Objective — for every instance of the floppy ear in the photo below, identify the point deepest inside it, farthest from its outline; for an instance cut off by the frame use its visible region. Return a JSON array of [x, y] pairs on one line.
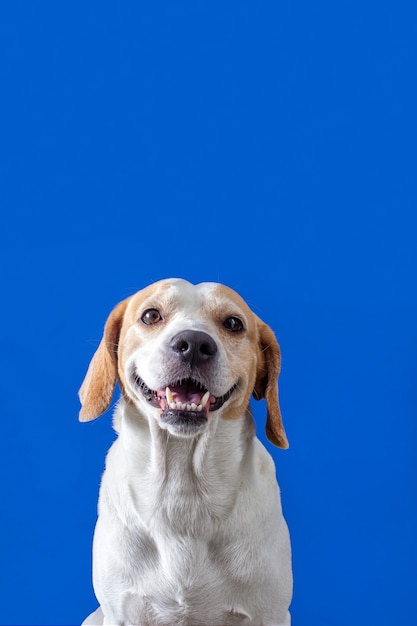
[[266, 385], [97, 389]]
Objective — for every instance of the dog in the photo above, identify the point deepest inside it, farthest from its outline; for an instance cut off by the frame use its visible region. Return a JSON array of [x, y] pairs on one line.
[[190, 529]]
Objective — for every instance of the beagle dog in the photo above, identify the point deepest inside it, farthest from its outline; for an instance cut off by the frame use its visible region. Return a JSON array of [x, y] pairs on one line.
[[190, 529]]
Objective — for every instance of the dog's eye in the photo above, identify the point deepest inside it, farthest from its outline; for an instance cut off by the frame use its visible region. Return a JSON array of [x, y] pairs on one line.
[[234, 324], [151, 316]]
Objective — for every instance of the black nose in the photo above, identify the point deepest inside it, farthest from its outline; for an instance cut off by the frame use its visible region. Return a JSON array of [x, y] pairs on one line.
[[193, 346]]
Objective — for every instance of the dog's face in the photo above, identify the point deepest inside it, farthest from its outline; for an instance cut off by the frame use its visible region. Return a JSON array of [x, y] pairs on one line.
[[183, 354]]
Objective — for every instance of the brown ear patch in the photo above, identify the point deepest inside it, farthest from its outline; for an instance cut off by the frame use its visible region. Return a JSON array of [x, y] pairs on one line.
[[98, 386], [266, 385]]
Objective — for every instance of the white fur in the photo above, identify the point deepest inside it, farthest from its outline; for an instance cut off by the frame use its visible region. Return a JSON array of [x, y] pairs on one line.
[[190, 529]]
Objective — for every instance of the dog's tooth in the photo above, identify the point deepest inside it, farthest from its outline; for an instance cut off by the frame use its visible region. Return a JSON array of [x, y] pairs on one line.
[[183, 406], [205, 399], [170, 398], [188, 407], [200, 407], [193, 406], [172, 405]]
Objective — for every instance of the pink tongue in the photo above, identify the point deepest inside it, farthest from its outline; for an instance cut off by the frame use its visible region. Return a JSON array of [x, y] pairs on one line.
[[187, 394], [184, 394], [181, 395]]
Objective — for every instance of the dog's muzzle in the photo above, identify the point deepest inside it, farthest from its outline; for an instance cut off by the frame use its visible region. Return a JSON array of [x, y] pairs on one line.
[[186, 402]]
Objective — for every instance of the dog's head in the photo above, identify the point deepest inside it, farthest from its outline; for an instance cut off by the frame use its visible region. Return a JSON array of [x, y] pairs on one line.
[[183, 353]]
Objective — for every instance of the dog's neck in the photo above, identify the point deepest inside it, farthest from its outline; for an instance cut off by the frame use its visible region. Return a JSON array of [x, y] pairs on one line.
[[204, 469]]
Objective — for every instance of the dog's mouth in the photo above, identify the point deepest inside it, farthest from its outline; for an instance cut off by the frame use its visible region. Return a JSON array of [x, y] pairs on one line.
[[185, 395]]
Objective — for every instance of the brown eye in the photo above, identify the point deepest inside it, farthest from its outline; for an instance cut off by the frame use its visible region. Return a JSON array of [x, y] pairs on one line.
[[151, 316], [234, 324]]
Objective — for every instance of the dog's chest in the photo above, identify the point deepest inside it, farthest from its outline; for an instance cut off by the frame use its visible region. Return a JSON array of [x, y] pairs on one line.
[[170, 544], [185, 580], [174, 548], [171, 571]]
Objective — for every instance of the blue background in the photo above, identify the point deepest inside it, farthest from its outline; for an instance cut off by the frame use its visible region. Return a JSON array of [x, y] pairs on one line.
[[267, 145]]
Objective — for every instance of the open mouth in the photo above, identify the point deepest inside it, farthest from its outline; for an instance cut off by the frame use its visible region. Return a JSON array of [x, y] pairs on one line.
[[185, 395]]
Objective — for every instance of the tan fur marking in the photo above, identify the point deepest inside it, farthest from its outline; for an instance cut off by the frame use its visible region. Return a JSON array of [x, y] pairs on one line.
[[97, 388], [269, 366]]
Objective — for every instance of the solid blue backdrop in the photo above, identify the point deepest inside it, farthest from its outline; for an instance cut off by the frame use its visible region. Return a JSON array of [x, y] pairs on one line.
[[270, 146]]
